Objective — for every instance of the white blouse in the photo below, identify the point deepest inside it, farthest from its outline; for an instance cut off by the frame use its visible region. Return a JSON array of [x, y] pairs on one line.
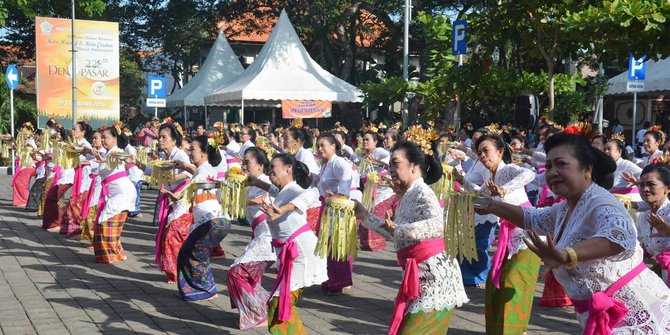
[[180, 207], [134, 172], [308, 269], [653, 245], [419, 217], [599, 214], [307, 157], [259, 248], [335, 177], [122, 192], [624, 165], [207, 210], [245, 146], [513, 179]]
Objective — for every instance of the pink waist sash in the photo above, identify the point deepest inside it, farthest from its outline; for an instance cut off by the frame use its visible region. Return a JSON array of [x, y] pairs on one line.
[[87, 202], [163, 210], [604, 311], [104, 191], [289, 252], [255, 223], [627, 190], [76, 184], [664, 261], [57, 172], [409, 258], [506, 229]]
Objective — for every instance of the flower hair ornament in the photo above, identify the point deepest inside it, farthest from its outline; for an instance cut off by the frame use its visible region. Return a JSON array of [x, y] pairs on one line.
[[28, 127], [618, 137], [297, 123], [371, 128], [494, 129], [397, 126], [211, 141], [582, 128], [423, 138], [119, 128], [179, 129], [468, 126], [340, 127], [168, 120], [658, 128]]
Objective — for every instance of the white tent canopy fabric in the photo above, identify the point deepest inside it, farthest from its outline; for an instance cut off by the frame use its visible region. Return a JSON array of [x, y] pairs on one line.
[[284, 70], [219, 69], [657, 78]]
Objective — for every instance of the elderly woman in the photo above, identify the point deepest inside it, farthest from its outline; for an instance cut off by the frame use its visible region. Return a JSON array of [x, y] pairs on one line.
[[594, 252], [417, 231], [514, 269], [655, 188]]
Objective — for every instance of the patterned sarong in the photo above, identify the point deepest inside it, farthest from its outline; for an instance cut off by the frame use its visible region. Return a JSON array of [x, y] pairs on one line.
[[247, 294], [508, 308], [107, 239], [43, 196], [433, 323], [71, 224], [172, 238], [196, 281], [88, 224], [20, 185], [53, 211], [289, 327], [35, 195]]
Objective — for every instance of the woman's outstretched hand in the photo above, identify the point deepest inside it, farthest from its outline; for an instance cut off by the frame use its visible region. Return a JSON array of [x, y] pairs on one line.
[[551, 256]]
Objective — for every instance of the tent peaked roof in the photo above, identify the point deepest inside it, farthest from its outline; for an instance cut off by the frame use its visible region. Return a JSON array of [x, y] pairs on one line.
[[284, 70], [220, 68], [657, 78]]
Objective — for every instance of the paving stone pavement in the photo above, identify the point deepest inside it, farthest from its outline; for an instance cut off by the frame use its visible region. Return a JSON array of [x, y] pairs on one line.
[[51, 285]]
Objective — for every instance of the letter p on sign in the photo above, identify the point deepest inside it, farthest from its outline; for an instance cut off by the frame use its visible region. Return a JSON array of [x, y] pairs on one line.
[[459, 37], [156, 87]]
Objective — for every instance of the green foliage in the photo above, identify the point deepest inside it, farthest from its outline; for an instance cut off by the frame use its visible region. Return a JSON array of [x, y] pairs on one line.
[[380, 95]]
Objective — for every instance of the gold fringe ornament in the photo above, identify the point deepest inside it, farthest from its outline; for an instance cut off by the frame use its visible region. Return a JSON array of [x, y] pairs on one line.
[[162, 173], [234, 194], [627, 202], [338, 234], [370, 189], [446, 184], [459, 226]]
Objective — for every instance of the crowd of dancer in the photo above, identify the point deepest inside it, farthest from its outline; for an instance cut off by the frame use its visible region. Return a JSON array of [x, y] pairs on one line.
[[578, 202]]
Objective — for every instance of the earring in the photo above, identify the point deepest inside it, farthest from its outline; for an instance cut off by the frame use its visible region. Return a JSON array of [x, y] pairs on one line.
[[587, 175]]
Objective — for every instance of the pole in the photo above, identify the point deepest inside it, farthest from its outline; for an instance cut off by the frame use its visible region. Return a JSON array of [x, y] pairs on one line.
[[634, 115], [156, 112], [242, 113], [206, 123], [457, 121], [74, 73], [601, 72], [11, 117], [405, 61]]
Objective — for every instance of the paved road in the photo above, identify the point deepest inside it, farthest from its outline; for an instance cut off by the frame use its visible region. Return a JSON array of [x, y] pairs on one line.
[[52, 285]]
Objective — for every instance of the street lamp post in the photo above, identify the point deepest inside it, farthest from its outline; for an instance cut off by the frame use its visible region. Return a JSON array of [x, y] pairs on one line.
[[73, 74], [405, 61]]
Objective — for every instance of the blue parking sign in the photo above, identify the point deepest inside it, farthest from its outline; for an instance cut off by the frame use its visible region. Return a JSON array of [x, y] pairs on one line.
[[459, 37], [636, 68], [156, 88]]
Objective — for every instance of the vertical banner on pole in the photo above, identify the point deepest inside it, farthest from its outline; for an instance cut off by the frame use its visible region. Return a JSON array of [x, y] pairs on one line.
[[12, 80], [97, 68]]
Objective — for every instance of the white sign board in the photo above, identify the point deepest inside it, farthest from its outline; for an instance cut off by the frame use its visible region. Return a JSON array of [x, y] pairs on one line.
[[154, 102], [635, 86]]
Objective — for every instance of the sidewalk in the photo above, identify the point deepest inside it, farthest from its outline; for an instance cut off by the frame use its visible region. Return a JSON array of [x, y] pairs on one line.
[[51, 285]]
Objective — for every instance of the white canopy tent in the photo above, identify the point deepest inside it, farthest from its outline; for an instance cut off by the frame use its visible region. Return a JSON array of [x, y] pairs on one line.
[[219, 69], [283, 70], [657, 78]]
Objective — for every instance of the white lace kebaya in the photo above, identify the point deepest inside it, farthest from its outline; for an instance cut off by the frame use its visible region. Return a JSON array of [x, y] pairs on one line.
[[419, 217], [599, 214]]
